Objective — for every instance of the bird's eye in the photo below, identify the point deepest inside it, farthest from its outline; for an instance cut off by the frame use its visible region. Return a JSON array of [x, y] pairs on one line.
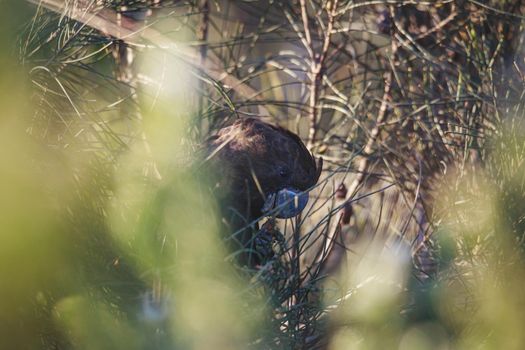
[[283, 172]]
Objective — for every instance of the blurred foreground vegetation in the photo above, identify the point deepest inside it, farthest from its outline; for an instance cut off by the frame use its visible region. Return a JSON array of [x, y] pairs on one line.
[[109, 239]]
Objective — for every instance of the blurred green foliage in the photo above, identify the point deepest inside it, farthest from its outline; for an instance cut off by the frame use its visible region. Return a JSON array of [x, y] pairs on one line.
[[100, 252]]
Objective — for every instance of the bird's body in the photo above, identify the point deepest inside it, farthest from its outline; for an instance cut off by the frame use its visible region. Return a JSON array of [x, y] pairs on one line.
[[260, 169]]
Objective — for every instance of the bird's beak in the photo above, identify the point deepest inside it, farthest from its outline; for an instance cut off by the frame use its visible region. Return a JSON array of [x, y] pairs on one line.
[[285, 203]]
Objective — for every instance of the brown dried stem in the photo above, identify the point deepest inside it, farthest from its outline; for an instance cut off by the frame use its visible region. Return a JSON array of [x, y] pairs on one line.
[[317, 66], [334, 245]]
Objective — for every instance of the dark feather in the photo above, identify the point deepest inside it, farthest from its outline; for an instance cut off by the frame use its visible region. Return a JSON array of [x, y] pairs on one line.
[[253, 159]]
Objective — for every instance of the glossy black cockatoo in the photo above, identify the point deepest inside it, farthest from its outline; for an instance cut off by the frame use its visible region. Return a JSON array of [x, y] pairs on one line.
[[260, 170]]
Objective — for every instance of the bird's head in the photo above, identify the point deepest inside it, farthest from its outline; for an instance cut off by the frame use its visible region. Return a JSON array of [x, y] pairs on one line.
[[266, 169]]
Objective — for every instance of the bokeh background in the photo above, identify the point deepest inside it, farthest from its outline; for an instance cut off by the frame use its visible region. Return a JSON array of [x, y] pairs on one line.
[[414, 237]]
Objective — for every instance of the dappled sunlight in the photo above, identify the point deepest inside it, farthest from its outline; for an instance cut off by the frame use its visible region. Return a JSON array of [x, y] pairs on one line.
[[262, 175]]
